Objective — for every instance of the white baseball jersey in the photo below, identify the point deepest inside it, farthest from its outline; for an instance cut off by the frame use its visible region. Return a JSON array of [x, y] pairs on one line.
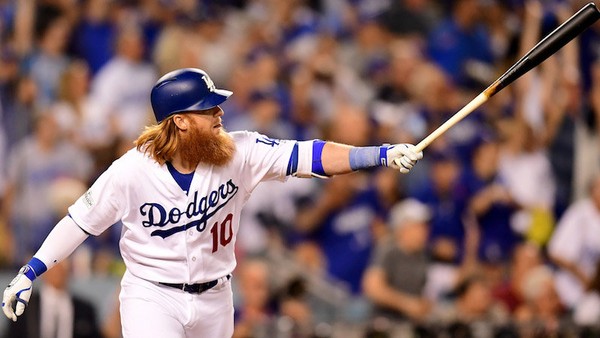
[[171, 236]]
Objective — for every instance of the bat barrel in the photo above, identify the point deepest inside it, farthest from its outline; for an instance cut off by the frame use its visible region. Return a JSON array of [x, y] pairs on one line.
[[554, 41]]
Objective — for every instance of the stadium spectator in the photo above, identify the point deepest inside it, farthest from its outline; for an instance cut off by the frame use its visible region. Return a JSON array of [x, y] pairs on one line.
[[396, 276], [340, 222], [94, 35], [78, 116], [254, 314], [122, 85], [395, 107], [33, 166], [213, 45], [418, 22], [55, 312], [461, 45], [9, 75], [263, 115], [587, 311], [293, 304], [525, 169], [437, 99], [526, 257], [18, 109], [541, 314], [49, 59], [575, 246], [490, 202], [447, 200], [472, 312]]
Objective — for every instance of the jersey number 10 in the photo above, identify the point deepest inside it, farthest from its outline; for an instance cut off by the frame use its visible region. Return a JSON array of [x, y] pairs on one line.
[[222, 234]]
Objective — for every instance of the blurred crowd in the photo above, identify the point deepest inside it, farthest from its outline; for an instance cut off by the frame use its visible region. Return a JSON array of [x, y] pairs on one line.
[[495, 233]]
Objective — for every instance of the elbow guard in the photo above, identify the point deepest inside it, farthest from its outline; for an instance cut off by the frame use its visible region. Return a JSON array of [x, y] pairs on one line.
[[309, 159]]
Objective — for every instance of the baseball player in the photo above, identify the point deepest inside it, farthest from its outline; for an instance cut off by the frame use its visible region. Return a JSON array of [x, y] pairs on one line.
[[179, 194]]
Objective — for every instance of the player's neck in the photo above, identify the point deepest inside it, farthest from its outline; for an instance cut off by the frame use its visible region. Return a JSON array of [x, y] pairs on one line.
[[181, 166]]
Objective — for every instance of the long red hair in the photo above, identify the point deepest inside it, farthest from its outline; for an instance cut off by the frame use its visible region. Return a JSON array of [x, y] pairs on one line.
[[161, 141]]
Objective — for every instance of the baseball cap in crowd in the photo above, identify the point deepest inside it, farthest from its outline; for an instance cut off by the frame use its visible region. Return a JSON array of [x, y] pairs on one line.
[[408, 210]]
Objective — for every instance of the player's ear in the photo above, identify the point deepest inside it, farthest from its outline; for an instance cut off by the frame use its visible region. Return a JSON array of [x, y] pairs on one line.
[[180, 121]]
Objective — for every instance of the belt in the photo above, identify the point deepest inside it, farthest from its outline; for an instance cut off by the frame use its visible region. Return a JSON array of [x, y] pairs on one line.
[[194, 288]]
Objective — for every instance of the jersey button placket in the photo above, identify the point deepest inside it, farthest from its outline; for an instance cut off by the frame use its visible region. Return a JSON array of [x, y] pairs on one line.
[[189, 238], [192, 258]]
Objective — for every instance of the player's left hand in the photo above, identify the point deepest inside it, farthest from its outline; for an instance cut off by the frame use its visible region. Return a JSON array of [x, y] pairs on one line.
[[18, 291], [403, 157]]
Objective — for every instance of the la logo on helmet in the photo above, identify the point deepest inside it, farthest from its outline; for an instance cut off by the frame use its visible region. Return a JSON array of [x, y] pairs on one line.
[[209, 83]]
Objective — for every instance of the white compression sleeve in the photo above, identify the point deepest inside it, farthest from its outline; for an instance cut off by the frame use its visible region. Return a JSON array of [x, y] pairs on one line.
[[305, 159], [61, 242]]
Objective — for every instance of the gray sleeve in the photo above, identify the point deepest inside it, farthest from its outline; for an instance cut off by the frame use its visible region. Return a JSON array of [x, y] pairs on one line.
[[14, 167], [380, 255], [81, 163]]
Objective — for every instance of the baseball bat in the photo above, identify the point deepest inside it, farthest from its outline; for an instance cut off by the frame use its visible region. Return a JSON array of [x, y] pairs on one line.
[[549, 45]]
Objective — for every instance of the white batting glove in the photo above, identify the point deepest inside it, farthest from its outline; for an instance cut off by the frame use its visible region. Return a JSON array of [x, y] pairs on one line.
[[403, 157], [18, 291]]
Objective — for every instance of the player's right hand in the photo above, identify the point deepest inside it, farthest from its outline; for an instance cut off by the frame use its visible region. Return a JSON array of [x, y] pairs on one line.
[[16, 295]]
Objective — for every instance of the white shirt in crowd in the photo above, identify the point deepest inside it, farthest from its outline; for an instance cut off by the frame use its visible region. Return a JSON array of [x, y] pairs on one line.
[[576, 240]]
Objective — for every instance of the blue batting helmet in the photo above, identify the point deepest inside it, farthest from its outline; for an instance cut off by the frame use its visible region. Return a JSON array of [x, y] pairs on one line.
[[185, 90]]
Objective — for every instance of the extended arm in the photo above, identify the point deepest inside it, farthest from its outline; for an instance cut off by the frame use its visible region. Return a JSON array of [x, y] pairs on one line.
[[322, 159]]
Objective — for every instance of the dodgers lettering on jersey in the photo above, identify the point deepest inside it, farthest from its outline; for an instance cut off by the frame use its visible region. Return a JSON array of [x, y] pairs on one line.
[[206, 207], [171, 236]]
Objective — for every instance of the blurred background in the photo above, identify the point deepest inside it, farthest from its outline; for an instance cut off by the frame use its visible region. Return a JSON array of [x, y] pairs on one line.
[[495, 233]]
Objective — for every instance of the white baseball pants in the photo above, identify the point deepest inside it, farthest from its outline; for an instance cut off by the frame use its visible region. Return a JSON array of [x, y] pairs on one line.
[[151, 310]]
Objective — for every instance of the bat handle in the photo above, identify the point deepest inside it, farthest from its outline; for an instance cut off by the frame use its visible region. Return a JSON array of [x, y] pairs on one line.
[[466, 110]]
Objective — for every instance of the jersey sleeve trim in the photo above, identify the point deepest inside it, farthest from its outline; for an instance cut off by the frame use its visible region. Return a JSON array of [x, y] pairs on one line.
[[82, 229], [86, 229], [293, 163]]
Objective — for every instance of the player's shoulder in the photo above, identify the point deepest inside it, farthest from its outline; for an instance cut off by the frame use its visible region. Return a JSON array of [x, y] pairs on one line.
[[131, 155], [133, 160], [252, 137], [244, 139], [243, 135]]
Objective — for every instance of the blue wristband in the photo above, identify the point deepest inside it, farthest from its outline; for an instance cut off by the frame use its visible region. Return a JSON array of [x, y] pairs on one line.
[[36, 268], [368, 157], [383, 160]]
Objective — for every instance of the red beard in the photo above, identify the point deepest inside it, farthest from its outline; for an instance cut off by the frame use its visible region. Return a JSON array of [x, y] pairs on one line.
[[206, 147]]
